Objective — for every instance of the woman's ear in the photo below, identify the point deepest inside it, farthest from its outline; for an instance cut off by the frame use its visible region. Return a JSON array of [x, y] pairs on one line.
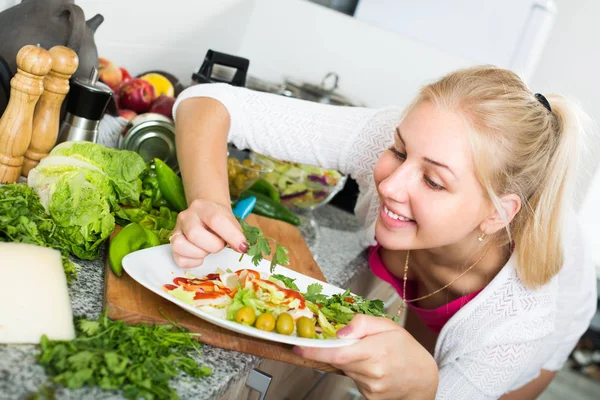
[[510, 205]]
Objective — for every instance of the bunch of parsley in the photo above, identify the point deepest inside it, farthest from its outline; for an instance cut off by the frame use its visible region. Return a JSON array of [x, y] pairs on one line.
[[23, 219], [259, 246], [140, 360]]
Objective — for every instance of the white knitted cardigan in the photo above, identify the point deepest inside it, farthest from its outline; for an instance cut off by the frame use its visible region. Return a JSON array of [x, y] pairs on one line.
[[502, 338]]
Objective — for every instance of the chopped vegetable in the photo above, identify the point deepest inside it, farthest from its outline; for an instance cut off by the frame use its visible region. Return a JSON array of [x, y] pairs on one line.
[[288, 282], [271, 305], [140, 360], [23, 219]]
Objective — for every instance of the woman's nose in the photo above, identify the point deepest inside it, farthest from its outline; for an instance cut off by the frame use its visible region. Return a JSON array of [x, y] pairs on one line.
[[396, 186]]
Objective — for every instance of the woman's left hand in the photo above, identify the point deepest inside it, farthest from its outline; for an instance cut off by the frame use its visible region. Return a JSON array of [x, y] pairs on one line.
[[386, 363]]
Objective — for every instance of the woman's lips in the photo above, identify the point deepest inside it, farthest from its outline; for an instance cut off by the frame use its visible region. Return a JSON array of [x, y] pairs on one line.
[[393, 222]]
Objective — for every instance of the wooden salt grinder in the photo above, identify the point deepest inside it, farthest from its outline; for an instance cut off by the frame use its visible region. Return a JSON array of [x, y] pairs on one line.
[[46, 117], [27, 85]]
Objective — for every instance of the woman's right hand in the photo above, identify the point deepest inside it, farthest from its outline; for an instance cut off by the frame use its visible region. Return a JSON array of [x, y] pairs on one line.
[[205, 228]]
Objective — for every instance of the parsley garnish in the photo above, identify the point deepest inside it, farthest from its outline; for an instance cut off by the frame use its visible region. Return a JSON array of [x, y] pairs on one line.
[[259, 246], [140, 360], [341, 308]]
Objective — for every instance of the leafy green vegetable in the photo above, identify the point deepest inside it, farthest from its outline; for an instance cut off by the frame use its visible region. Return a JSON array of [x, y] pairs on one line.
[[313, 293], [23, 219], [245, 297], [79, 200], [288, 282], [121, 166], [81, 184], [341, 308], [140, 360], [259, 246]]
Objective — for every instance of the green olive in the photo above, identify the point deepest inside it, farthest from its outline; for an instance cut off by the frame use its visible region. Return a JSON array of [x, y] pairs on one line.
[[285, 324], [252, 174], [265, 322], [245, 315], [247, 163], [305, 327], [239, 181]]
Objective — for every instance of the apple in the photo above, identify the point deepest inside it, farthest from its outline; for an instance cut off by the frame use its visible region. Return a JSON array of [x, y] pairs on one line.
[[109, 73], [126, 75], [127, 114], [136, 95], [163, 105]]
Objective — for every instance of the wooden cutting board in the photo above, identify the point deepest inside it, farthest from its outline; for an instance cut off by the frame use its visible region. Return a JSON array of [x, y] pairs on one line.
[[127, 300]]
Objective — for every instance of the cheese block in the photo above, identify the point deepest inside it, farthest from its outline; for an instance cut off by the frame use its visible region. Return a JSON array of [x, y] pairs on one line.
[[34, 299]]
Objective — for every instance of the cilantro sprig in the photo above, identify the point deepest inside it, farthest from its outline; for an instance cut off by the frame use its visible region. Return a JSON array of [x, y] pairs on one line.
[[140, 359], [259, 246]]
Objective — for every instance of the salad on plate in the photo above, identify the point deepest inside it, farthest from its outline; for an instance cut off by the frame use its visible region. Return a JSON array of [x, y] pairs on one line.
[[272, 303]]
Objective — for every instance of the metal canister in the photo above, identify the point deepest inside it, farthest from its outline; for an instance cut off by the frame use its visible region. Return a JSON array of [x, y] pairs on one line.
[[152, 136]]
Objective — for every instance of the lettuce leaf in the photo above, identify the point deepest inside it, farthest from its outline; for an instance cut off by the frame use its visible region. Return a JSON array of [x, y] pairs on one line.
[[123, 167]]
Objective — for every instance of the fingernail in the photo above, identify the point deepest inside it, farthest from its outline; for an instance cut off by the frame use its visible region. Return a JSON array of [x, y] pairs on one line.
[[297, 350], [345, 331], [244, 247]]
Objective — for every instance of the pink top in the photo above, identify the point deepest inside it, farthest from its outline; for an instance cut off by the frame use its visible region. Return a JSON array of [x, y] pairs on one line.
[[435, 318]]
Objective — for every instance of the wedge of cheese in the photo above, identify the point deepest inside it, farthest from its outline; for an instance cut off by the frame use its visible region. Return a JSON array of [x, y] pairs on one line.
[[34, 299]]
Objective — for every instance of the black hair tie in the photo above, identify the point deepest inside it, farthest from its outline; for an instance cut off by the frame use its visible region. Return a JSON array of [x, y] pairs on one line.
[[540, 97]]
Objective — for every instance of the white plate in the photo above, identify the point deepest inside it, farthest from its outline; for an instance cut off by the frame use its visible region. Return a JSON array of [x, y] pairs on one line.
[[154, 267]]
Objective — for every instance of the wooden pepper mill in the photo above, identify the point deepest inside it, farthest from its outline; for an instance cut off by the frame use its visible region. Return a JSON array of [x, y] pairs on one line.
[[46, 117], [27, 85]]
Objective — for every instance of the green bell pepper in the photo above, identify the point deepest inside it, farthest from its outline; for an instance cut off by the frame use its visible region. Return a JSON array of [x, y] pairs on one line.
[[170, 185], [131, 238]]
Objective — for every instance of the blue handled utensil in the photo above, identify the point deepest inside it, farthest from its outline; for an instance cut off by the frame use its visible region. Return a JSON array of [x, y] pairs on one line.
[[244, 207]]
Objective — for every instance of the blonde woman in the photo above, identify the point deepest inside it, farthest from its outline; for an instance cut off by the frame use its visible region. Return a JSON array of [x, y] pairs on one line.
[[464, 199]]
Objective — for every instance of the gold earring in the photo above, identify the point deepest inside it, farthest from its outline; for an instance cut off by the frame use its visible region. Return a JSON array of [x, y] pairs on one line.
[[481, 237]]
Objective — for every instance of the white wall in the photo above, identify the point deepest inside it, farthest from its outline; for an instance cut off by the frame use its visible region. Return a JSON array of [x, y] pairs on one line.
[[570, 65], [173, 36], [305, 40], [280, 37]]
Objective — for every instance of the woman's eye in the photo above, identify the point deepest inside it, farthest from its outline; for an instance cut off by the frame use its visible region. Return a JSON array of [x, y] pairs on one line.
[[432, 184], [399, 155]]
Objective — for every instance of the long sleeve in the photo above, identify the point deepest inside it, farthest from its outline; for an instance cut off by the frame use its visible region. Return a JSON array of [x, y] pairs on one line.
[[348, 139]]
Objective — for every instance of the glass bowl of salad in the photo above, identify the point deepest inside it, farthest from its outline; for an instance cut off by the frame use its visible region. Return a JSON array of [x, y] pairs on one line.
[[302, 186], [243, 171]]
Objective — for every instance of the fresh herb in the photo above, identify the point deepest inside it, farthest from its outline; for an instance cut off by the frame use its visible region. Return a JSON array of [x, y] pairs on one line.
[[259, 246], [140, 360], [313, 293], [341, 308], [24, 219], [288, 282]]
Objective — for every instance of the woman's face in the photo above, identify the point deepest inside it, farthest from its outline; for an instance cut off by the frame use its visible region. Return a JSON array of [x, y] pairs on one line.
[[426, 181]]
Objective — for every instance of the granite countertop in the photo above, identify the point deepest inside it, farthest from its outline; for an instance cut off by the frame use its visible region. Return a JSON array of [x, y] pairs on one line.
[[334, 245]]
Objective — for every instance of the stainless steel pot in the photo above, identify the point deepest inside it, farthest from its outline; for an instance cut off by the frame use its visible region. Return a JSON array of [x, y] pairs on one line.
[[325, 92]]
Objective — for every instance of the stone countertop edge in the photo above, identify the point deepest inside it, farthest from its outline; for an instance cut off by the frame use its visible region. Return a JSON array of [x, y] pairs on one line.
[[337, 252]]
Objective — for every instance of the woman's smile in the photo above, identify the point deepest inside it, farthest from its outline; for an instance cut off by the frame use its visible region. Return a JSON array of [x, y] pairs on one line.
[[395, 221]]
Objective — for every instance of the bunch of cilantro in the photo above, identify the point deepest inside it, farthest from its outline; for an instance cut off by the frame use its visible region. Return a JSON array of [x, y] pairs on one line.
[[23, 219], [140, 359]]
